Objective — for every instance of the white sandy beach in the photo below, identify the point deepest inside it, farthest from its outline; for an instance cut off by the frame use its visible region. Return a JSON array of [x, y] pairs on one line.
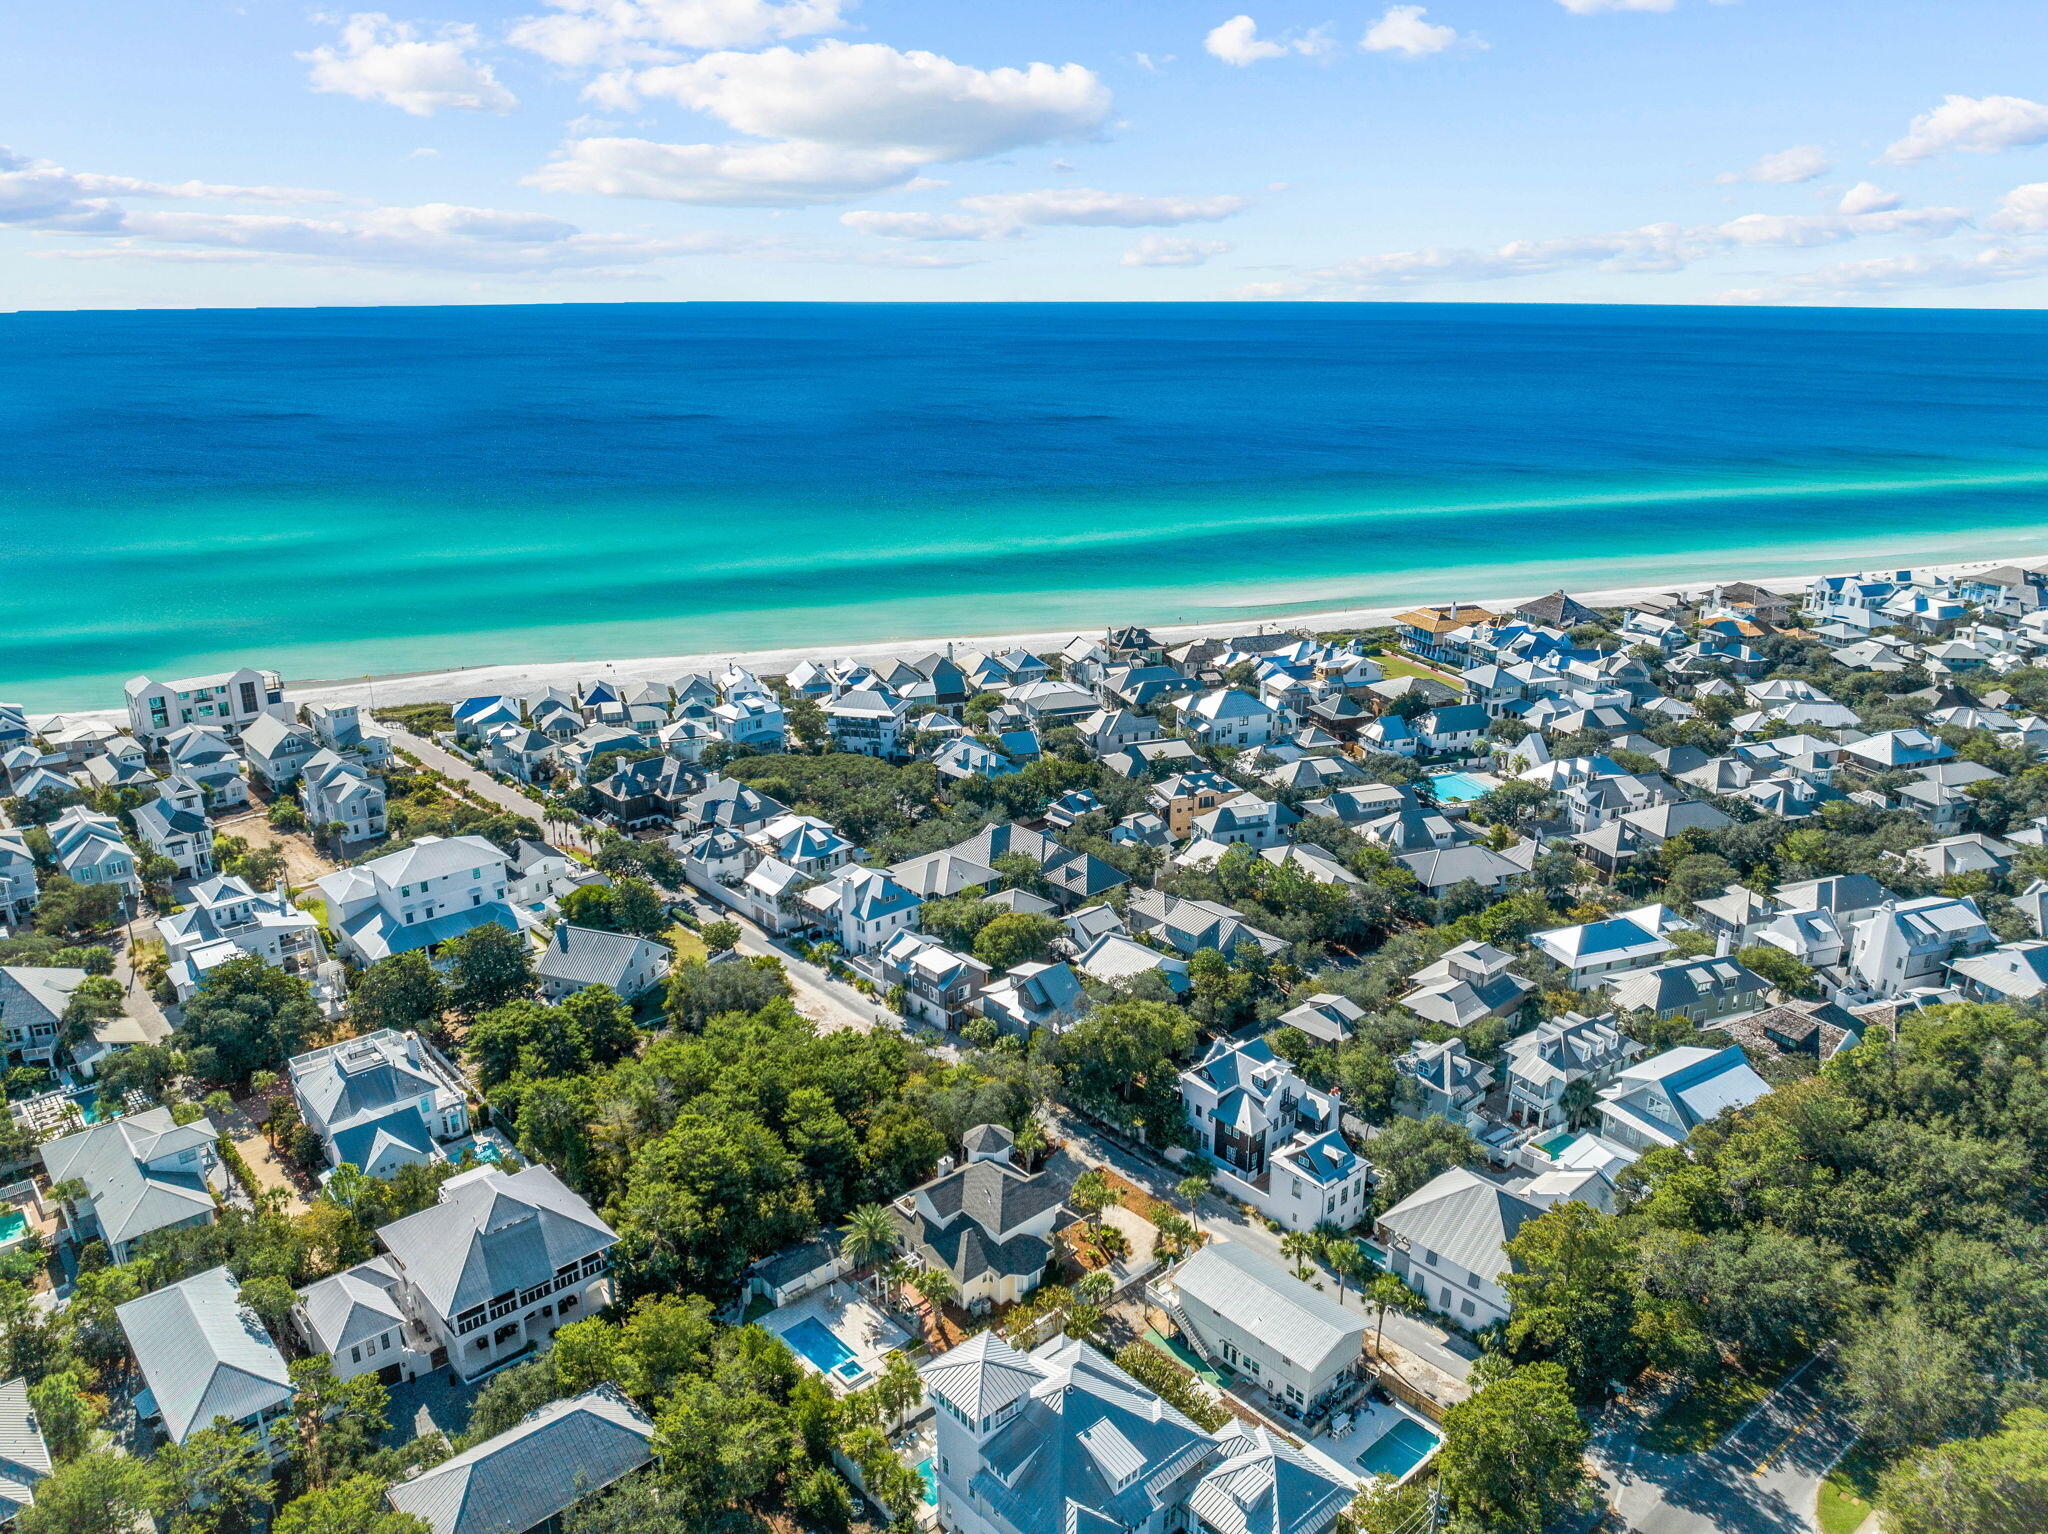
[[523, 680]]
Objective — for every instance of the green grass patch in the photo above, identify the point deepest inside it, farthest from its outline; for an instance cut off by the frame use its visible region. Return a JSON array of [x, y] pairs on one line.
[[688, 946], [1849, 1491], [1709, 1411], [1405, 665]]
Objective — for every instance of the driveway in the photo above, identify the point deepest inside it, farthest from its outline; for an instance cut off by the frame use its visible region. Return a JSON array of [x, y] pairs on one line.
[[422, 1405], [1763, 1478]]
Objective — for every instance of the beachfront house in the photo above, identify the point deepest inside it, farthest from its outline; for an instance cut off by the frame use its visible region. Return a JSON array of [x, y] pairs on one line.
[[229, 700]]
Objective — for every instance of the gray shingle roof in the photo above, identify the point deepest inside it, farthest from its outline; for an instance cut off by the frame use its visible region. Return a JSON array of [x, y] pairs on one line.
[[204, 1354], [552, 1460], [492, 1233]]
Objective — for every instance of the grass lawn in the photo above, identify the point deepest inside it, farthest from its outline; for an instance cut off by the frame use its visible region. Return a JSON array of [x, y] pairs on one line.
[[687, 944], [1709, 1411], [1404, 665], [1845, 1496]]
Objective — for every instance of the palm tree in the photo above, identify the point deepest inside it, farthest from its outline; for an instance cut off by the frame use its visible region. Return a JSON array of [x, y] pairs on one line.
[[935, 1286], [1346, 1261], [1030, 1140], [893, 1275], [1194, 1188], [1090, 1195], [1299, 1247], [1177, 1233], [1576, 1102], [1384, 1293], [868, 1235]]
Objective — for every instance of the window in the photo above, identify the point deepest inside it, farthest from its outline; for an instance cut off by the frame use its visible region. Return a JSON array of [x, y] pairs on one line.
[[355, 1355]]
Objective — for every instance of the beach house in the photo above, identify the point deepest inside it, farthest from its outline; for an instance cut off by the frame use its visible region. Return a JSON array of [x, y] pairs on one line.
[[436, 889], [227, 700], [380, 1101]]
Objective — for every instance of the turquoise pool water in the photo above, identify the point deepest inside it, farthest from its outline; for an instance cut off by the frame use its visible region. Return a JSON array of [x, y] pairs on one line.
[[1457, 787], [1399, 1450], [12, 1224], [822, 1346], [931, 1481], [1554, 1146]]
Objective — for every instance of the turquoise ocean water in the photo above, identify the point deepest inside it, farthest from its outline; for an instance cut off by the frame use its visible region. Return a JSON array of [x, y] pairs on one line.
[[339, 492]]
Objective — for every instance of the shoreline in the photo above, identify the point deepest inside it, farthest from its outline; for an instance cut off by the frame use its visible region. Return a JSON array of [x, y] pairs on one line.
[[454, 684]]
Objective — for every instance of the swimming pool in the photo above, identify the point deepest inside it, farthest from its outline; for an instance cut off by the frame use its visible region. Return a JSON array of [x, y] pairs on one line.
[[1399, 1449], [1554, 1146], [1459, 787], [931, 1481], [12, 1224], [823, 1347]]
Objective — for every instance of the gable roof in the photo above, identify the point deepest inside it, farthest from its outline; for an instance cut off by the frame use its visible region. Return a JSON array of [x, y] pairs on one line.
[[204, 1353], [1463, 1218], [24, 1457], [1304, 1325], [129, 1198], [552, 1460]]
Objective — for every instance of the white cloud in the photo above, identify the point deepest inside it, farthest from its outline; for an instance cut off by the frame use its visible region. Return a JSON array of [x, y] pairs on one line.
[[2023, 210], [1787, 167], [1237, 42], [1114, 210], [926, 226], [1972, 124], [1662, 247], [1164, 250], [585, 34], [784, 174], [1007, 215], [1886, 274], [390, 61], [1402, 30], [1865, 197], [424, 154], [841, 120], [1593, 7], [871, 97], [39, 197]]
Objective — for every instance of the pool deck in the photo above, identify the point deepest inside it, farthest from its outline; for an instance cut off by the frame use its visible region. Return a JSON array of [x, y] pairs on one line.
[[1371, 1422], [868, 1333]]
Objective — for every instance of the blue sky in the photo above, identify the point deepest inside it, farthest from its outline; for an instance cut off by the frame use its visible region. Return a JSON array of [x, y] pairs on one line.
[[1887, 152]]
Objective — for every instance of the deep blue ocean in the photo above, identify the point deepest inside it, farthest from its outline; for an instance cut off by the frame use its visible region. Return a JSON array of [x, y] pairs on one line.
[[343, 491]]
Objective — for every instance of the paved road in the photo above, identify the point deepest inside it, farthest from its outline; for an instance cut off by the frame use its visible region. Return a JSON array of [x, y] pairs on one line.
[[1441, 1350], [1763, 1478]]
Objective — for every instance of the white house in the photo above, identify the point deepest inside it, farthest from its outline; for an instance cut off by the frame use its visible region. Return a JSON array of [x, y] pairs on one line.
[[866, 720], [141, 1173], [91, 850], [861, 908], [224, 919], [1445, 1242], [173, 825], [276, 750], [204, 1355], [229, 700], [1661, 1100], [1593, 953], [436, 889], [987, 1223], [339, 790], [340, 728], [380, 1101], [579, 957], [1228, 717], [1549, 1058], [498, 1264], [1276, 1138], [18, 893], [1060, 1440], [33, 999], [1295, 1343], [352, 1317]]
